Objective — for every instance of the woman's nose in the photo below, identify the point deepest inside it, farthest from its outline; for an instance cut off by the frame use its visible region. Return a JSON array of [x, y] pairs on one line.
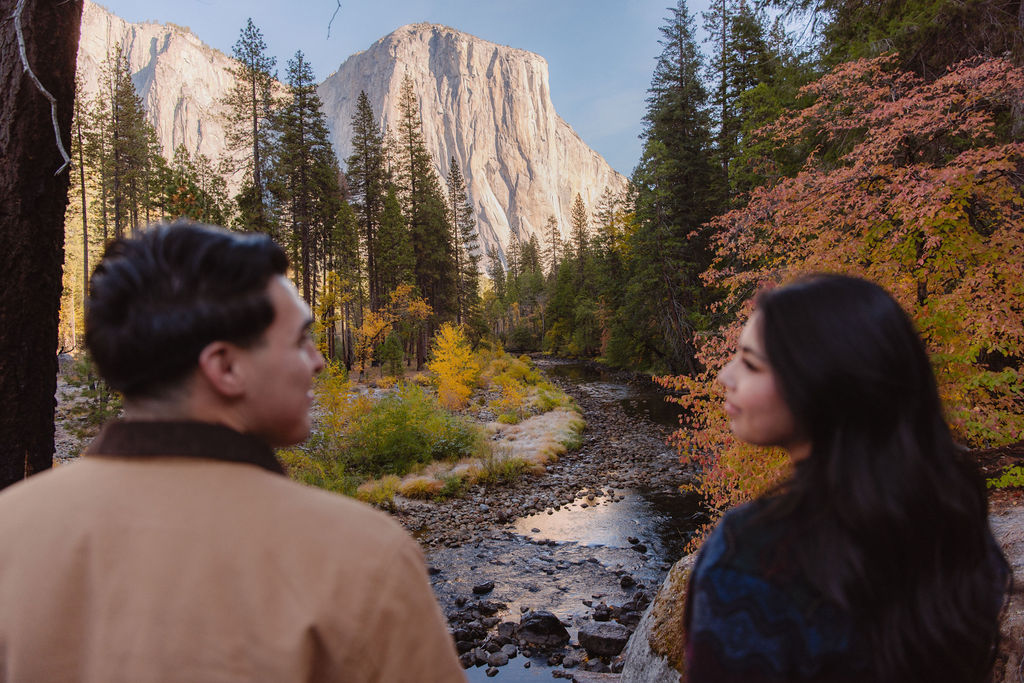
[[725, 374]]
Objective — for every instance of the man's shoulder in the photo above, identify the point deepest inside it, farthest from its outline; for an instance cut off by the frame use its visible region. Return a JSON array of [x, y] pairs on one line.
[[313, 502]]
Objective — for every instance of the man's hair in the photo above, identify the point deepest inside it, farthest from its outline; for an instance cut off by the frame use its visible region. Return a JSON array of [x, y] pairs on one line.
[[156, 300]]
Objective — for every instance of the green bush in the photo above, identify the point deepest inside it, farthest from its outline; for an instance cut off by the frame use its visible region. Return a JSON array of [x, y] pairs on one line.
[[316, 466], [408, 428], [1011, 476], [454, 486], [502, 470]]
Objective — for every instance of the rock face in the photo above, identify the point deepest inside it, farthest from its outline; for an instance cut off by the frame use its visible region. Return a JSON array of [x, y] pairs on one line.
[[180, 79], [486, 105], [489, 107]]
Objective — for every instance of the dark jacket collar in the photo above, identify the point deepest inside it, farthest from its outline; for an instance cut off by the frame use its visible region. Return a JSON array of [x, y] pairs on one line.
[[187, 439]]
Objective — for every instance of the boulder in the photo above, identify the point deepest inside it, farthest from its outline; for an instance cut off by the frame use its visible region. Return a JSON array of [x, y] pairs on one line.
[[543, 629], [604, 639]]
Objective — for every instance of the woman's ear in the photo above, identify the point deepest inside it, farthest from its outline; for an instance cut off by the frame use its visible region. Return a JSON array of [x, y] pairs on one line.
[[220, 367]]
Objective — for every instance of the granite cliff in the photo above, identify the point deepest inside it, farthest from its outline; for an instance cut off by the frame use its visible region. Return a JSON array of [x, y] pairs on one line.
[[488, 106], [484, 104]]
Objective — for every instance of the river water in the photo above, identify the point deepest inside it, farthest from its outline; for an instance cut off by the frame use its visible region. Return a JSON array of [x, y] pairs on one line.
[[601, 548]]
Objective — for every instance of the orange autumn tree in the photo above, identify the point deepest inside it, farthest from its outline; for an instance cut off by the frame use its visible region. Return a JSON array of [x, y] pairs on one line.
[[404, 309], [916, 185]]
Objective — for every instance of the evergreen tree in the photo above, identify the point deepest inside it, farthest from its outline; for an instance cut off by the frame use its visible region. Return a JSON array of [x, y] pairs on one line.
[[552, 245], [496, 273], [193, 189], [677, 192], [122, 148], [466, 247], [578, 233], [305, 176], [367, 178], [395, 258], [250, 110], [741, 59], [929, 36], [426, 214]]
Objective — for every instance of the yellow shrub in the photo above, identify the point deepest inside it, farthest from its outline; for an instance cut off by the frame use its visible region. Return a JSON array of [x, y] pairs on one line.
[[454, 367], [418, 486], [380, 492]]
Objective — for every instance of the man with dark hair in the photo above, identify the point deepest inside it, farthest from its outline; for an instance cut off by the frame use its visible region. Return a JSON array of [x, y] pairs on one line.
[[175, 550]]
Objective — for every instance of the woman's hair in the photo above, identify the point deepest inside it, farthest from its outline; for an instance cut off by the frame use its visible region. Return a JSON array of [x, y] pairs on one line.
[[156, 300], [889, 516]]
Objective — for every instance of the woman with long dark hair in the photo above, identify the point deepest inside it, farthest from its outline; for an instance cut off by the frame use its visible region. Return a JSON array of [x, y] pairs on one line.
[[874, 560]]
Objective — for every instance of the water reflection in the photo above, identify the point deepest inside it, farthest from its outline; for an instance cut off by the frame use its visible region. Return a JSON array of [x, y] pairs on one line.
[[637, 399]]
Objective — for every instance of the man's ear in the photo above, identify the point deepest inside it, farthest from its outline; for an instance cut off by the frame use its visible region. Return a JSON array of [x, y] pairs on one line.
[[219, 366]]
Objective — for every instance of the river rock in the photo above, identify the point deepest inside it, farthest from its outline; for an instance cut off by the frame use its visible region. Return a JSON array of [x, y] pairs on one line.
[[483, 588], [544, 629], [605, 639], [497, 659]]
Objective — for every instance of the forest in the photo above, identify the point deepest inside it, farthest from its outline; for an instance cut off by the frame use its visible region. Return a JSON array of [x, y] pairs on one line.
[[883, 139]]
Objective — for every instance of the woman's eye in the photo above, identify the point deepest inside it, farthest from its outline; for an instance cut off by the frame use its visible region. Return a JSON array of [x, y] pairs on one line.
[[750, 366]]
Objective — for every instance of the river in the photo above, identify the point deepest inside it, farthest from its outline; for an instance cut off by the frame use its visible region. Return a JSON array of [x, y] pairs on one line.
[[611, 545]]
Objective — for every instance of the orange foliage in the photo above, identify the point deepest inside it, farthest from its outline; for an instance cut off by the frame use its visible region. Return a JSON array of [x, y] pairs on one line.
[[914, 190]]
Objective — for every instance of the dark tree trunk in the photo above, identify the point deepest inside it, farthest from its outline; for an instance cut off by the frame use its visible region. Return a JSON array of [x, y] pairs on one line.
[[32, 226]]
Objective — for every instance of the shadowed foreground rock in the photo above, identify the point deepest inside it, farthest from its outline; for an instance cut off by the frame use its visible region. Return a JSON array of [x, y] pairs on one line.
[[654, 654]]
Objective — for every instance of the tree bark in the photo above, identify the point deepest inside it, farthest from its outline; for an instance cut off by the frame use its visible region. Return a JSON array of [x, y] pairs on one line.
[[32, 226]]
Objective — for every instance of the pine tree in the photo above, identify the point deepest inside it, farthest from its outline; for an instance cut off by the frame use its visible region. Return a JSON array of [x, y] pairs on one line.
[[121, 147], [552, 245], [466, 247], [193, 189], [678, 191], [305, 176], [578, 233], [426, 213], [395, 258], [741, 59], [250, 105], [367, 177]]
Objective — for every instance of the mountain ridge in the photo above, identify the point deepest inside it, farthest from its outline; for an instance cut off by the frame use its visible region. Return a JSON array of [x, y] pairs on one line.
[[485, 104]]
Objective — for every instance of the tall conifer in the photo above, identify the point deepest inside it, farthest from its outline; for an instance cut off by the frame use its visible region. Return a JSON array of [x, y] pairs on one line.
[[367, 177], [677, 193], [250, 109]]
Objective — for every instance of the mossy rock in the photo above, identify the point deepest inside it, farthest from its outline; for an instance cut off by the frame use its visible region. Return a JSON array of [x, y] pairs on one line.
[[655, 653]]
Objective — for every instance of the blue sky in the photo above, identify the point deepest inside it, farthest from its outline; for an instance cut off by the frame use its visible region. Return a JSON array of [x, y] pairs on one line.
[[600, 53]]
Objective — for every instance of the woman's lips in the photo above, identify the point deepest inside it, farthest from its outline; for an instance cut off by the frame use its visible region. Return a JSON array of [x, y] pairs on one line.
[[730, 409]]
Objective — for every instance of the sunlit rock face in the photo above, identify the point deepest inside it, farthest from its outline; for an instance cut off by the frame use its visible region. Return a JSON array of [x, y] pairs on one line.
[[180, 79], [486, 105]]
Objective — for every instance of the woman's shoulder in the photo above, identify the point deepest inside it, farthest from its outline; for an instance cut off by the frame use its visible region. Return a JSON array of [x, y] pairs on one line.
[[752, 607], [747, 540]]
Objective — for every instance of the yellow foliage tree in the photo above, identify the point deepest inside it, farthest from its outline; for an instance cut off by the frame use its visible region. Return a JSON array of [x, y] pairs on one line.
[[454, 367], [376, 326]]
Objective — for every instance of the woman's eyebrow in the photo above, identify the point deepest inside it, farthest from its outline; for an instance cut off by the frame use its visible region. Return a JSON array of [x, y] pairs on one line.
[[751, 351]]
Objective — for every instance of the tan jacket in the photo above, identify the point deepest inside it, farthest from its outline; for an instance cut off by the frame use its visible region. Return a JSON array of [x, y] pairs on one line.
[[143, 569]]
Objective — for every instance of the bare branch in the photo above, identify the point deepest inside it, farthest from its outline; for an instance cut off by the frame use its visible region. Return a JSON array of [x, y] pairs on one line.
[[336, 10], [53, 102]]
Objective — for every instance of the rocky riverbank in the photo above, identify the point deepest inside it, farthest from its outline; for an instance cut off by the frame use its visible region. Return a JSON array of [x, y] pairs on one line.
[[518, 589], [617, 453]]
